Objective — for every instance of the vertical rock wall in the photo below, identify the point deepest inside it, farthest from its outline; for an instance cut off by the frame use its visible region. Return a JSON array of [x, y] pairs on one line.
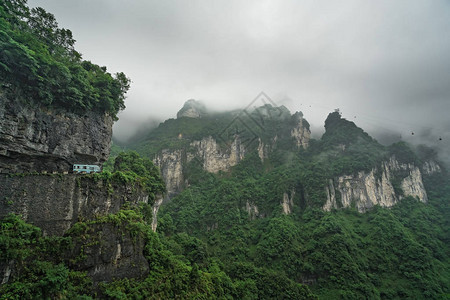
[[35, 139], [365, 190], [56, 202]]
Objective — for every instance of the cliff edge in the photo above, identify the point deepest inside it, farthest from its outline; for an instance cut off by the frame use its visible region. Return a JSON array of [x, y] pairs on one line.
[[41, 139]]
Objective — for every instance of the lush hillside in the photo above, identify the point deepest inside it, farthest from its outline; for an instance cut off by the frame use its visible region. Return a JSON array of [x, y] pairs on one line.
[[258, 230], [384, 253], [258, 209], [400, 252]]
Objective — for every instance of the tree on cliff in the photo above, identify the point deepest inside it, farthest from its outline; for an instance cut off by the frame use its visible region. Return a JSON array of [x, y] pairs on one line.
[[131, 164], [38, 60]]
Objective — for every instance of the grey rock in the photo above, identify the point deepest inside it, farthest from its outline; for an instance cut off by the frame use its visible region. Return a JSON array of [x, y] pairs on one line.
[[192, 109], [41, 139], [56, 202]]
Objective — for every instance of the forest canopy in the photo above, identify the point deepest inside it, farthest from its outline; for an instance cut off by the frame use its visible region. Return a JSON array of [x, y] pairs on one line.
[[38, 61]]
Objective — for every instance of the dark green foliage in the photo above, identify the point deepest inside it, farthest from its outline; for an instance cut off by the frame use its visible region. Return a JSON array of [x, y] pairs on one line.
[[340, 131], [397, 253], [108, 166], [38, 269], [38, 61], [404, 153], [345, 254], [131, 165], [426, 153]]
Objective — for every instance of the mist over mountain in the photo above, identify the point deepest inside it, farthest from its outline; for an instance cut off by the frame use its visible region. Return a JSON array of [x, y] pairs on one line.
[[329, 184], [381, 61], [386, 132]]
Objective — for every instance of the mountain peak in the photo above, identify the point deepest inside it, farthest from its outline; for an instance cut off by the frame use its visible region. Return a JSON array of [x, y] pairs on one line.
[[339, 130], [192, 109]]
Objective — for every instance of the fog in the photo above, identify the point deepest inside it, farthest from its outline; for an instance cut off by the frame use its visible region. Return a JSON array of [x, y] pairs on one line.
[[384, 64]]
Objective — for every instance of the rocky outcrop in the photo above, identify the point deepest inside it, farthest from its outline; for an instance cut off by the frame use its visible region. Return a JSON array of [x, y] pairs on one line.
[[56, 202], [155, 209], [192, 109], [216, 156], [288, 202], [37, 139], [206, 151], [300, 132], [108, 251], [252, 210], [262, 150], [431, 167], [35, 142], [170, 164], [216, 159], [365, 190]]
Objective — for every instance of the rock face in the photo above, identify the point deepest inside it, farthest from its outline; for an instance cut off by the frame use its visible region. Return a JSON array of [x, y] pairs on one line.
[[155, 209], [206, 151], [192, 109], [56, 202], [430, 167], [214, 158], [252, 210], [288, 202], [365, 190], [301, 132], [108, 251], [170, 164], [33, 139]]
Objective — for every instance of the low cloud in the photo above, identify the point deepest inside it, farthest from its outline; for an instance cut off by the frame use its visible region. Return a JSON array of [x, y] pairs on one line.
[[383, 63]]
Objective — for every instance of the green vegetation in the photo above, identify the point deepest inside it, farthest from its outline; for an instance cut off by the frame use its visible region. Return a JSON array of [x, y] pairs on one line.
[[130, 168], [39, 270], [131, 165], [382, 254], [397, 253], [38, 62], [225, 236], [180, 266]]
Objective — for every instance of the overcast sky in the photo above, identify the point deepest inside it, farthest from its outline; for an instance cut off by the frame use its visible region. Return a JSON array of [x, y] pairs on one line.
[[385, 64]]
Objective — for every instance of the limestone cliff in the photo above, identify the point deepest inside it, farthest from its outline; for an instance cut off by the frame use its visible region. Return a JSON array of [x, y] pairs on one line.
[[170, 164], [36, 139], [206, 151], [300, 132], [288, 202], [252, 210], [430, 167], [215, 156], [383, 186], [56, 202], [216, 159]]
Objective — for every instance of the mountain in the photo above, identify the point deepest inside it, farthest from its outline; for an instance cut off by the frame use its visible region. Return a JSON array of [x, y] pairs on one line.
[[241, 204], [340, 214]]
